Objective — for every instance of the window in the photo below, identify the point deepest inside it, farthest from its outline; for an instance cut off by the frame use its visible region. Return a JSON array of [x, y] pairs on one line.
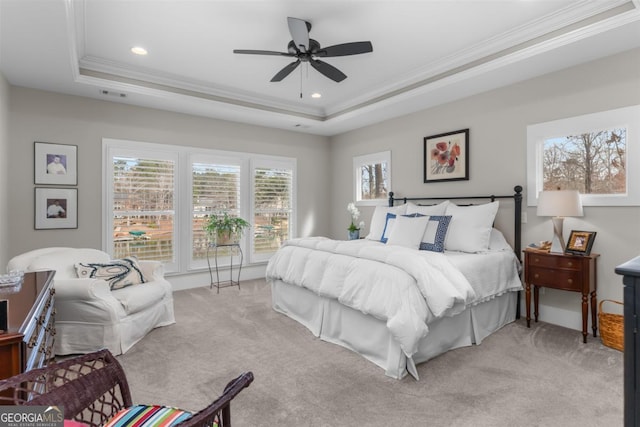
[[215, 188], [594, 154], [591, 162], [272, 206], [143, 213], [372, 178], [157, 198]]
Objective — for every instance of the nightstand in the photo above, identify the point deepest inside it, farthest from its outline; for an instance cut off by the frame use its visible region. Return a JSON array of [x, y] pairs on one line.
[[566, 272]]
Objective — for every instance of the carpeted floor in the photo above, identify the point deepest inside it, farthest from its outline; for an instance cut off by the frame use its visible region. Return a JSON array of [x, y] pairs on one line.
[[543, 376]]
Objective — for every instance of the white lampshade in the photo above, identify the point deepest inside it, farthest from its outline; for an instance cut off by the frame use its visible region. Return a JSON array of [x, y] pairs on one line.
[[559, 204]]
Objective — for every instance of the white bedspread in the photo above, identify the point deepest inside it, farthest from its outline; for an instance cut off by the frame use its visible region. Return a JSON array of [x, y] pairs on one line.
[[491, 274], [404, 287]]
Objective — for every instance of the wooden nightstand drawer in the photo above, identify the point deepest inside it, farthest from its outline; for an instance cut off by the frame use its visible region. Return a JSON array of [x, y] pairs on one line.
[[559, 279], [551, 261]]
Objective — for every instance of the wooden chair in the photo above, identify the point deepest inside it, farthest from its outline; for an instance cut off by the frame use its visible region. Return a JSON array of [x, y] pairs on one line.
[[93, 387]]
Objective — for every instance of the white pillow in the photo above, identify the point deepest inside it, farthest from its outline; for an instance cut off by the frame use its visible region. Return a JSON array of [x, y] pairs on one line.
[[408, 231], [437, 210], [497, 241], [379, 220], [470, 227]]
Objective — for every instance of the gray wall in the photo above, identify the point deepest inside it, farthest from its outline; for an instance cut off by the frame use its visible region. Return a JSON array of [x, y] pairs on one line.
[[44, 116], [4, 163], [497, 120], [498, 124]]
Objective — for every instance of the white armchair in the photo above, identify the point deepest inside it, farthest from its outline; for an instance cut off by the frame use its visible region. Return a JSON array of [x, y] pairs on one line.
[[89, 315]]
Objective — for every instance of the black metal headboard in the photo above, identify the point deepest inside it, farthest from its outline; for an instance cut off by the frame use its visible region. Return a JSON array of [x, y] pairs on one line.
[[517, 220]]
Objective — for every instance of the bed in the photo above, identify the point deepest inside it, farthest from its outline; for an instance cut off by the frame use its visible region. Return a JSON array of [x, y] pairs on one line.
[[396, 305]]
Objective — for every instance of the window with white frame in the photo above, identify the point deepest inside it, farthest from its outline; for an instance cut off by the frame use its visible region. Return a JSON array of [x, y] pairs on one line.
[[157, 198], [215, 189], [142, 213], [595, 154], [273, 192], [372, 178]]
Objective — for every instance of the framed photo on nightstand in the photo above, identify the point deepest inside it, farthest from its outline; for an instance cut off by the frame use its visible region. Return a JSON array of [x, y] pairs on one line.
[[580, 242]]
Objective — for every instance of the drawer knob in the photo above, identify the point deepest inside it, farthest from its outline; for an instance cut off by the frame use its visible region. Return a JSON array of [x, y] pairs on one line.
[[570, 264], [536, 259], [536, 275], [569, 281]]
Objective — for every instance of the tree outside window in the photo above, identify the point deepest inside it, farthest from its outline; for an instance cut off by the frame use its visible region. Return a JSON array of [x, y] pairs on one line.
[[597, 154], [592, 163], [372, 175]]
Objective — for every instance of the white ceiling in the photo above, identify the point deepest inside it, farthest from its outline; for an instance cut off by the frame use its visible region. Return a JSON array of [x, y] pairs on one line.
[[424, 52]]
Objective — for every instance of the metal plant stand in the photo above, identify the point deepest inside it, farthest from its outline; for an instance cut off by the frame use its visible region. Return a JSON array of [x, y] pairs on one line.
[[233, 248]]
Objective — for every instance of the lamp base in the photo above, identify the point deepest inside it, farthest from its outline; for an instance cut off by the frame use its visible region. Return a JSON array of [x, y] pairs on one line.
[[557, 243]]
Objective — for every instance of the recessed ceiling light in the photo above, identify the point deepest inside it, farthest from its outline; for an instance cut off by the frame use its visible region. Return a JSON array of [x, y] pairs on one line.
[[316, 95], [139, 50]]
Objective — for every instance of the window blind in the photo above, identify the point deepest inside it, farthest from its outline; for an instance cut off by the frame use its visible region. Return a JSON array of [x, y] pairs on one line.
[[215, 189], [272, 208], [143, 208]]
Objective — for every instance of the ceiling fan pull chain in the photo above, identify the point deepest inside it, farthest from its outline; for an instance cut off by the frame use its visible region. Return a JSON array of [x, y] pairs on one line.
[[300, 82]]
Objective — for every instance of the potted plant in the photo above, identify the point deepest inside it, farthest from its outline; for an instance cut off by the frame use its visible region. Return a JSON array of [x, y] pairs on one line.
[[354, 231], [224, 229]]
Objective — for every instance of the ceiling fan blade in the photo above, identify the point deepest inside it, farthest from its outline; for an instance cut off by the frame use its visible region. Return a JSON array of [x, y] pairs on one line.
[[285, 71], [262, 52], [299, 30], [345, 49], [328, 70]]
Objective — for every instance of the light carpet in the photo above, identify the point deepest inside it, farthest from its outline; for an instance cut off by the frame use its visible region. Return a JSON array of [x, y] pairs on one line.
[[542, 376]]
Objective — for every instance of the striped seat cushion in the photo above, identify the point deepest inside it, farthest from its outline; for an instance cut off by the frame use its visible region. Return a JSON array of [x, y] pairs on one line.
[[148, 416]]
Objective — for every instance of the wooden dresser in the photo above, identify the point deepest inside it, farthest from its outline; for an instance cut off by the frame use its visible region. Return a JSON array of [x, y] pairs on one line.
[[27, 342], [631, 281]]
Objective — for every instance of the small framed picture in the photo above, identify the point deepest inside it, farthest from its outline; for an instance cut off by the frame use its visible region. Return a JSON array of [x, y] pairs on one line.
[[580, 242], [446, 157], [55, 164], [56, 208]]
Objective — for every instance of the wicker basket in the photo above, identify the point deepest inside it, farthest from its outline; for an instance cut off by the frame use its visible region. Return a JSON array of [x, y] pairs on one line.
[[611, 327]]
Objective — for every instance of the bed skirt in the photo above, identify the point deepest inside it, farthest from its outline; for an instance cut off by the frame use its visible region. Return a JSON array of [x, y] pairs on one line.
[[333, 322]]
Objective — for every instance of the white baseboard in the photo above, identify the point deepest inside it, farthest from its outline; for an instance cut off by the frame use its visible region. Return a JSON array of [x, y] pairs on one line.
[[558, 316], [201, 278]]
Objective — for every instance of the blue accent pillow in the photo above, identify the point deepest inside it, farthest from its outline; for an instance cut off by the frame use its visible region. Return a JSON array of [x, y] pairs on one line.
[[435, 234], [389, 224]]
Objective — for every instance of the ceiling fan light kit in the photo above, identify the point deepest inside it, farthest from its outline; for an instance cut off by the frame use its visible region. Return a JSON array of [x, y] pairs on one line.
[[305, 49]]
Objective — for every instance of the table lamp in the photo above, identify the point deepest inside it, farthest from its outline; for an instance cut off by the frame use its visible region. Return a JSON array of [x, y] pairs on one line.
[[559, 204]]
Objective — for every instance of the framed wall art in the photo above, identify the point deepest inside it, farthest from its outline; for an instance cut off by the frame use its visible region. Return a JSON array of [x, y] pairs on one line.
[[446, 157], [580, 242], [56, 208], [55, 164]]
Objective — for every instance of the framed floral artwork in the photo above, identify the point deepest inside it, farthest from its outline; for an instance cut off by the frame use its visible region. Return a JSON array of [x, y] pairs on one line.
[[446, 157], [55, 164]]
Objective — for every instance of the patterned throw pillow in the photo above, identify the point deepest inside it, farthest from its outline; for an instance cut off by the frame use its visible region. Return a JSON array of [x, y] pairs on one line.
[[435, 233], [148, 416], [120, 273]]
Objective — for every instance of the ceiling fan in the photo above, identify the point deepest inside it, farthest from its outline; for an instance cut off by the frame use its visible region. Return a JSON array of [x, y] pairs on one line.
[[305, 49]]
